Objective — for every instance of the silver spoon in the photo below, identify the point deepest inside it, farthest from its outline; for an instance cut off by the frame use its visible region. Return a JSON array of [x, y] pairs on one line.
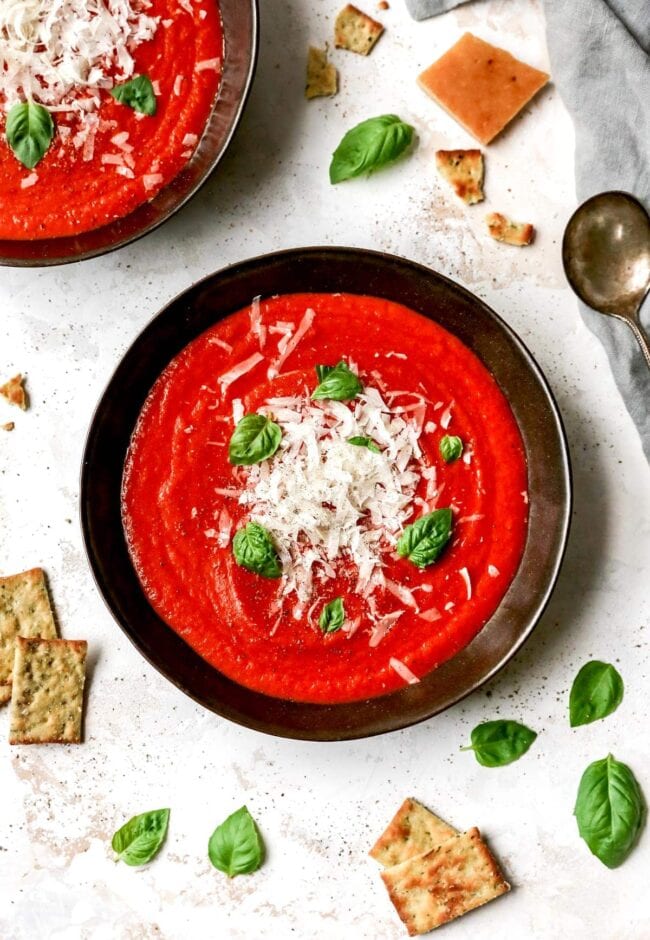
[[606, 257]]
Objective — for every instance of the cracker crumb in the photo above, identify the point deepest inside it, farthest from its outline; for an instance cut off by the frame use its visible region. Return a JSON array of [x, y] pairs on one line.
[[14, 392]]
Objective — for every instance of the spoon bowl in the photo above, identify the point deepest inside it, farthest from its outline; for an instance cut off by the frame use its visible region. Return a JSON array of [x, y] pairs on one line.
[[606, 257]]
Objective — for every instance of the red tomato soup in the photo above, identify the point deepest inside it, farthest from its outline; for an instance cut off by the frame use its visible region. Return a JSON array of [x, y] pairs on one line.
[[105, 158], [347, 478]]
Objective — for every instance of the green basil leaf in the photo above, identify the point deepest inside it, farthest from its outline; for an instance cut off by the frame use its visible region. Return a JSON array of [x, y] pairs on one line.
[[137, 93], [322, 371], [610, 810], [597, 691], [423, 541], [451, 447], [496, 743], [370, 145], [29, 131], [254, 439], [140, 839], [339, 383], [236, 847], [332, 616], [364, 442], [254, 549]]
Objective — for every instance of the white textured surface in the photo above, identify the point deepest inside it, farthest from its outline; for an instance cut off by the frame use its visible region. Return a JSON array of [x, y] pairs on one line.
[[321, 806]]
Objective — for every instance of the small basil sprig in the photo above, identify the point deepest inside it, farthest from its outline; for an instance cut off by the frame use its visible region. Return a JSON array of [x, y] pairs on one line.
[[29, 131], [254, 549], [423, 541], [236, 847], [597, 691], [140, 839], [610, 810], [254, 439], [137, 93], [451, 448], [338, 383], [332, 616], [496, 743], [364, 442], [370, 145]]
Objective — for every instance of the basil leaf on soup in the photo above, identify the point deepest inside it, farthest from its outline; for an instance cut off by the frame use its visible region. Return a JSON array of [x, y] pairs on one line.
[[140, 839], [29, 132], [496, 743], [597, 691], [610, 810], [369, 146], [451, 448], [254, 549], [137, 93], [332, 616], [339, 383], [423, 541], [364, 442], [322, 371], [236, 847], [254, 439]]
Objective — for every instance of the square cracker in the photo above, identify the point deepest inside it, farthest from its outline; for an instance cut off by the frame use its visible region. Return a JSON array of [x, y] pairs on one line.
[[24, 611], [413, 830], [432, 889], [322, 77], [356, 31], [481, 86], [47, 694], [464, 171]]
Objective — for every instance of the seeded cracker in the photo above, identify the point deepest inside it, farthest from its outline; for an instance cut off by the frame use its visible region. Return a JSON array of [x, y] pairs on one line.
[[505, 230], [463, 170], [355, 31], [47, 695], [322, 77], [14, 392], [456, 877], [24, 611], [412, 831]]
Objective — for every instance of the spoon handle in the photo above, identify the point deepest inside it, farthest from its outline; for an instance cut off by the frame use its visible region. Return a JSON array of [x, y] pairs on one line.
[[641, 338]]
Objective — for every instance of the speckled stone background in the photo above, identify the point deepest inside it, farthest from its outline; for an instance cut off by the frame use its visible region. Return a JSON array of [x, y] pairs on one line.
[[321, 806]]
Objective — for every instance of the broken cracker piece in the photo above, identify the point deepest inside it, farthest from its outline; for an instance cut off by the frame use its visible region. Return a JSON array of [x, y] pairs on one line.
[[413, 830], [464, 170], [47, 694], [9, 426], [432, 889], [481, 86], [24, 611], [14, 392], [5, 694], [505, 230], [322, 77], [356, 31]]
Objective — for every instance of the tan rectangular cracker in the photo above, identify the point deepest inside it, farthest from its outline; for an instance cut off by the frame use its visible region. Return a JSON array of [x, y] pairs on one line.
[[430, 890], [481, 86], [47, 693], [505, 230], [322, 77], [413, 830], [356, 31], [24, 611], [464, 171]]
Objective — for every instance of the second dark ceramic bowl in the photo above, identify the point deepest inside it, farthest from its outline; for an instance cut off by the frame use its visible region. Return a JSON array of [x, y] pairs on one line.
[[328, 270], [240, 30]]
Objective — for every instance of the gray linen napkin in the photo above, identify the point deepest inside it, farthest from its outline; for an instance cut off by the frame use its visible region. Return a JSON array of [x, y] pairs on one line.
[[600, 63]]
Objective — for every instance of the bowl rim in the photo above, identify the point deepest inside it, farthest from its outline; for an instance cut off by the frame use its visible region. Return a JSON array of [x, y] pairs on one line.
[[43, 251], [562, 471]]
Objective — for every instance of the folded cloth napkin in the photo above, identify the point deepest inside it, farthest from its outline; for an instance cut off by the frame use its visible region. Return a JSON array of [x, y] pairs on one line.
[[600, 63]]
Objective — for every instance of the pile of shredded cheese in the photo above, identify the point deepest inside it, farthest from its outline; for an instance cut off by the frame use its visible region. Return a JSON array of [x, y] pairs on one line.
[[325, 499], [60, 53]]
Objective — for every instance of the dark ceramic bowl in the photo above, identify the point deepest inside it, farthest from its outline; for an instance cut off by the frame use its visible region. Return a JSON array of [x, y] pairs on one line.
[[328, 270], [240, 29]]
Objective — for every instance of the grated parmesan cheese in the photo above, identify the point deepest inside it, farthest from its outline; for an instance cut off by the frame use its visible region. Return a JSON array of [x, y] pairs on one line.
[[403, 671], [464, 573]]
